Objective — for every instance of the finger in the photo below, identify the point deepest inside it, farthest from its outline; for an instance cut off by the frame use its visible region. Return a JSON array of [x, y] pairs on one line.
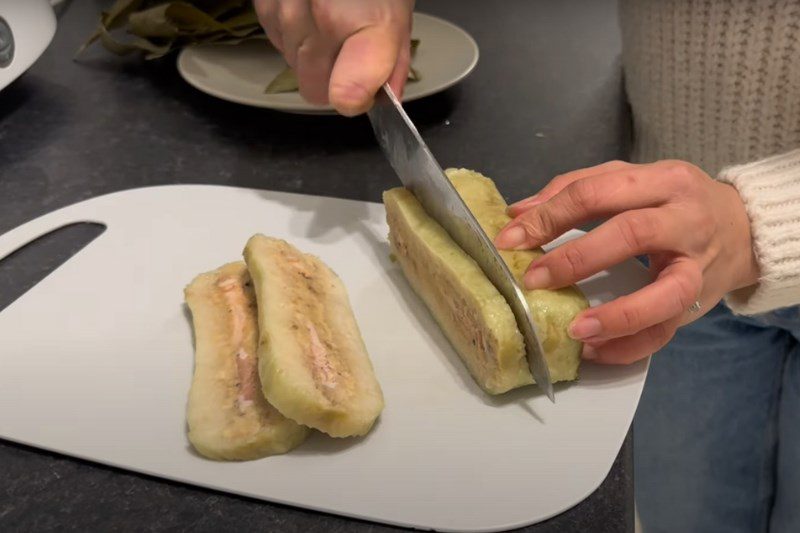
[[581, 201], [296, 26], [627, 350], [314, 64], [267, 13], [629, 234], [365, 62], [558, 183], [666, 299], [397, 81]]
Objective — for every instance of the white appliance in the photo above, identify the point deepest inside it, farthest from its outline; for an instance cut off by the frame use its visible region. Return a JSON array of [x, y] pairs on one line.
[[26, 30]]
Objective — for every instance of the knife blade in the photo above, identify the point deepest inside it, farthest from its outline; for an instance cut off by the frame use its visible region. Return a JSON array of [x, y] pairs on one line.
[[419, 172]]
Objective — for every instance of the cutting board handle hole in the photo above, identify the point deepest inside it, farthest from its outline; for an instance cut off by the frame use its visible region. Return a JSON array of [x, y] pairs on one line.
[[32, 262]]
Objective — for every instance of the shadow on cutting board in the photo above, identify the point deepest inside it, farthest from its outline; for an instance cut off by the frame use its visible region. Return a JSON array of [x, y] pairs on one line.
[[319, 443], [326, 226]]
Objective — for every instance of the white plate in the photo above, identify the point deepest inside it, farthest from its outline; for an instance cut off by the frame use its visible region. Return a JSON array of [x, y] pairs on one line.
[[96, 362], [240, 73]]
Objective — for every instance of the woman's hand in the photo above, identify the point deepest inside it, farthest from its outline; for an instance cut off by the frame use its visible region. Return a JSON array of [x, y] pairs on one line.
[[694, 229], [341, 50]]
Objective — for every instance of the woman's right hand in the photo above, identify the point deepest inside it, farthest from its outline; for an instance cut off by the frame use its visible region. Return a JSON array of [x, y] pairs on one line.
[[341, 50]]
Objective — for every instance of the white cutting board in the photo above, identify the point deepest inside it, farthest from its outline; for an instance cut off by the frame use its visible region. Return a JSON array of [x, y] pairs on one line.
[[96, 361]]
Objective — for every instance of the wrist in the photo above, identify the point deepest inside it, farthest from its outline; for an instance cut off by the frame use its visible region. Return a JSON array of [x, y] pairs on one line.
[[744, 260]]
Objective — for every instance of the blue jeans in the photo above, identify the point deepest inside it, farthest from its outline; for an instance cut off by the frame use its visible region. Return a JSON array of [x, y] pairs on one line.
[[717, 432]]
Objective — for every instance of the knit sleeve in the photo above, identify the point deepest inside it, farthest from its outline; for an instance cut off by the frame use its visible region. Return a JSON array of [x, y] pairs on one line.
[[770, 189]]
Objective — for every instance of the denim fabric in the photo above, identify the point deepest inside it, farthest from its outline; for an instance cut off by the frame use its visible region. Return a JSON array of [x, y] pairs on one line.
[[717, 432]]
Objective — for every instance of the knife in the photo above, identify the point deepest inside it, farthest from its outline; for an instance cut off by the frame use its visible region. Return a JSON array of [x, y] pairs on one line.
[[421, 174]]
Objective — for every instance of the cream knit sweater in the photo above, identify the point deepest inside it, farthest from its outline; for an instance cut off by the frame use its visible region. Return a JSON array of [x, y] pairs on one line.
[[717, 83]]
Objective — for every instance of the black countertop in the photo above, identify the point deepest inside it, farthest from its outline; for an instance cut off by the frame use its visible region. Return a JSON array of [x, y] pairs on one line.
[[546, 97]]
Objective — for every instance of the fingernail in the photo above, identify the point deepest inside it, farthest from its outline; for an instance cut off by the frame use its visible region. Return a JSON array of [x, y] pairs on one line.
[[584, 328], [538, 278], [589, 352], [511, 238]]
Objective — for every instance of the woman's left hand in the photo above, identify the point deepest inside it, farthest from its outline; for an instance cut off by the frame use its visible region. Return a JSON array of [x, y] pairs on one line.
[[694, 229]]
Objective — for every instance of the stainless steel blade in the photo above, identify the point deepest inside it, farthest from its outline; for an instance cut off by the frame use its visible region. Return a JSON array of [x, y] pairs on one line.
[[421, 174]]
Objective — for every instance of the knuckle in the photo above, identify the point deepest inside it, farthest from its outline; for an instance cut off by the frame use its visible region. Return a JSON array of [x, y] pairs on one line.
[[306, 49], [267, 16], [676, 167], [287, 14], [324, 15], [557, 183], [583, 194], [631, 318], [302, 51], [639, 231], [705, 220], [647, 227], [686, 291], [573, 261], [558, 179], [534, 226], [616, 164], [631, 179], [703, 227], [681, 175], [394, 16], [659, 335]]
